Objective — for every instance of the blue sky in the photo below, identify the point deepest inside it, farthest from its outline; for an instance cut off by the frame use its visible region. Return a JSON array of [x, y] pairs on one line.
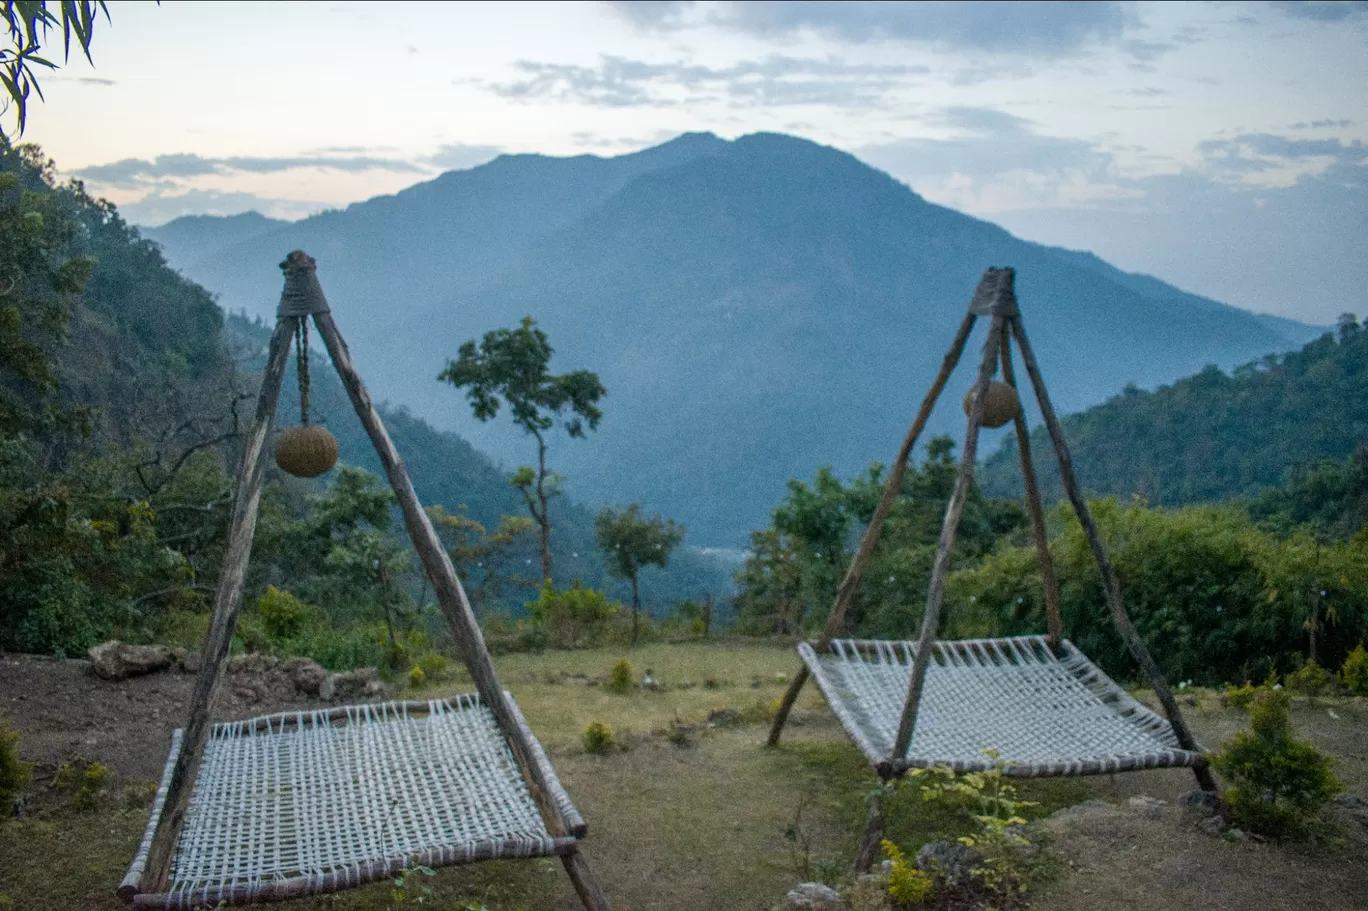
[[1220, 146]]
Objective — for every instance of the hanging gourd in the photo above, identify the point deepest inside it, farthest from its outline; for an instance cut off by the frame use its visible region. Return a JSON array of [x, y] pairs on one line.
[[306, 451], [1000, 406]]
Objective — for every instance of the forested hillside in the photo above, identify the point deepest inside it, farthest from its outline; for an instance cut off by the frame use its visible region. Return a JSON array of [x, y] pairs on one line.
[[1215, 435], [123, 395]]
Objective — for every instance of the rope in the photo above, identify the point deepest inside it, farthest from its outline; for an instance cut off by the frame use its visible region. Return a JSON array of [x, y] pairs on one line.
[[302, 359]]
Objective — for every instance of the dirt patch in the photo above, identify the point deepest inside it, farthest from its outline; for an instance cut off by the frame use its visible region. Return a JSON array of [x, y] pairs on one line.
[[64, 712]]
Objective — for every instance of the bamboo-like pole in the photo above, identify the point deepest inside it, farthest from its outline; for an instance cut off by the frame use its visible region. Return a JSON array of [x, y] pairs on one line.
[[587, 885], [941, 567], [1110, 585], [1041, 533], [227, 603], [851, 582], [873, 835]]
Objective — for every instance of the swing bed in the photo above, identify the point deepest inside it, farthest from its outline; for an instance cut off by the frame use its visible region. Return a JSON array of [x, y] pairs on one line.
[[1034, 704], [302, 803]]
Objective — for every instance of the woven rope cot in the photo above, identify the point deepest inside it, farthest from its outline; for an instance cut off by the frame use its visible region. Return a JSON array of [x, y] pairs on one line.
[[1037, 703], [283, 806], [1040, 714], [304, 803]]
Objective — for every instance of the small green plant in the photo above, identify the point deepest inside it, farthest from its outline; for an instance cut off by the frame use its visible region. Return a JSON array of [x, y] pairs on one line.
[[907, 885], [436, 666], [620, 680], [1354, 671], [1240, 697], [411, 887], [416, 677], [1277, 781], [598, 738], [93, 782], [1311, 680], [15, 774], [282, 614]]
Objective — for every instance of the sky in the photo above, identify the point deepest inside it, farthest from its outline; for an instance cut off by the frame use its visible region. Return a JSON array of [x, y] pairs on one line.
[[1222, 147]]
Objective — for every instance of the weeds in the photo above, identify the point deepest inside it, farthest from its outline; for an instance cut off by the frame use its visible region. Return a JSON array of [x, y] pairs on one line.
[[598, 739], [15, 774]]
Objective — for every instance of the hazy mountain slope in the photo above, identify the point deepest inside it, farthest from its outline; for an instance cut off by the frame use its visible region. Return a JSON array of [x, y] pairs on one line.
[[756, 309]]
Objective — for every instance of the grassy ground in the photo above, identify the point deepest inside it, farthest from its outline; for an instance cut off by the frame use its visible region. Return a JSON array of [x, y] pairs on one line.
[[708, 820]]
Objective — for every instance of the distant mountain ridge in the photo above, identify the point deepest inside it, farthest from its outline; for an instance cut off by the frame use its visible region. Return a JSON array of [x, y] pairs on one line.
[[756, 308]]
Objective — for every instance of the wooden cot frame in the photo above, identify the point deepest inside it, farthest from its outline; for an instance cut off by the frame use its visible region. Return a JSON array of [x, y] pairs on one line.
[[995, 297], [302, 299]]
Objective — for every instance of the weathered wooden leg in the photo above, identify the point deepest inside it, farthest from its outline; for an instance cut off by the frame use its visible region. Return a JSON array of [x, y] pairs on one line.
[[227, 602], [851, 582], [1042, 540], [873, 836], [586, 884], [1110, 585], [941, 567]]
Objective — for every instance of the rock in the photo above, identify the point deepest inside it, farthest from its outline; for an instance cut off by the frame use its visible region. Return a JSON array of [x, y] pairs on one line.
[[1080, 809], [1152, 807], [115, 660], [363, 681], [1350, 801], [1238, 835], [648, 682], [1202, 803], [306, 674], [814, 897], [1212, 825], [949, 863], [723, 718]]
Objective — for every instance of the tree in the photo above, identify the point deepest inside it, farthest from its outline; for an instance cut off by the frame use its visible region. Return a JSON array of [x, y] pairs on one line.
[[480, 555], [28, 23], [631, 541], [512, 365]]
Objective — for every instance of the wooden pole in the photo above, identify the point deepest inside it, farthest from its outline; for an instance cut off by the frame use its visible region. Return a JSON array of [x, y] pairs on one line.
[[587, 886], [1041, 533], [941, 567], [450, 594], [227, 603], [873, 835], [851, 582], [1110, 585]]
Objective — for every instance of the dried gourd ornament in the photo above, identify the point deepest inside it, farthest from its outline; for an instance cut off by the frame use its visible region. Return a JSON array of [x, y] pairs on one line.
[[999, 406], [306, 451]]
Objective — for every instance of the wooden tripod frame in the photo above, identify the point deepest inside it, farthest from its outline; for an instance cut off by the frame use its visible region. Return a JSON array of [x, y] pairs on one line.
[[995, 297], [302, 299]]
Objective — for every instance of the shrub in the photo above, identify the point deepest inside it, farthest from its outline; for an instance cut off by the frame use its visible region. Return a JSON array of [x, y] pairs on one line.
[[416, 677], [1277, 781], [93, 782], [436, 667], [1240, 697], [598, 738], [907, 885], [15, 774], [283, 616], [574, 617], [620, 680], [1354, 673], [1311, 680]]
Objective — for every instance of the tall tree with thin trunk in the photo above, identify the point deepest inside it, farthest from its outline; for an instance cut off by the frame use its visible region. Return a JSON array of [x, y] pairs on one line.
[[632, 541], [512, 365]]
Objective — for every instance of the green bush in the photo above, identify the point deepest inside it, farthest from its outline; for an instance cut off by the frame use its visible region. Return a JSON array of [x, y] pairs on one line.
[[598, 738], [621, 679], [1240, 697], [416, 677], [1354, 672], [573, 618], [436, 667], [907, 885], [15, 774], [1277, 781], [1311, 680], [283, 616]]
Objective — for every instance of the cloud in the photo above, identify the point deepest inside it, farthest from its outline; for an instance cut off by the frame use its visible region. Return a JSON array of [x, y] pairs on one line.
[[131, 173], [1051, 29], [457, 156], [1323, 10], [1321, 124], [158, 207], [619, 82]]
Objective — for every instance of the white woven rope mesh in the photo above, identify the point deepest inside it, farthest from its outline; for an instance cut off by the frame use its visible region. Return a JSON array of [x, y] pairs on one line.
[[1050, 715], [308, 796]]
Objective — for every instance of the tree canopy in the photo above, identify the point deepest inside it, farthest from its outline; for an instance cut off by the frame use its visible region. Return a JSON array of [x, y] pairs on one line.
[[630, 541]]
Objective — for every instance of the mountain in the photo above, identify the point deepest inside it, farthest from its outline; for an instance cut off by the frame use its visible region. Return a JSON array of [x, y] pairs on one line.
[[1214, 436], [756, 309]]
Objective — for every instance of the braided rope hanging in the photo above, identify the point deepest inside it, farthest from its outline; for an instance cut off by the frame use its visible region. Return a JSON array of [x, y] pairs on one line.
[[308, 450]]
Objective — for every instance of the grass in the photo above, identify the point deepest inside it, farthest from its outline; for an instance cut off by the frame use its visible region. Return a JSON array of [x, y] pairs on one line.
[[711, 821]]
